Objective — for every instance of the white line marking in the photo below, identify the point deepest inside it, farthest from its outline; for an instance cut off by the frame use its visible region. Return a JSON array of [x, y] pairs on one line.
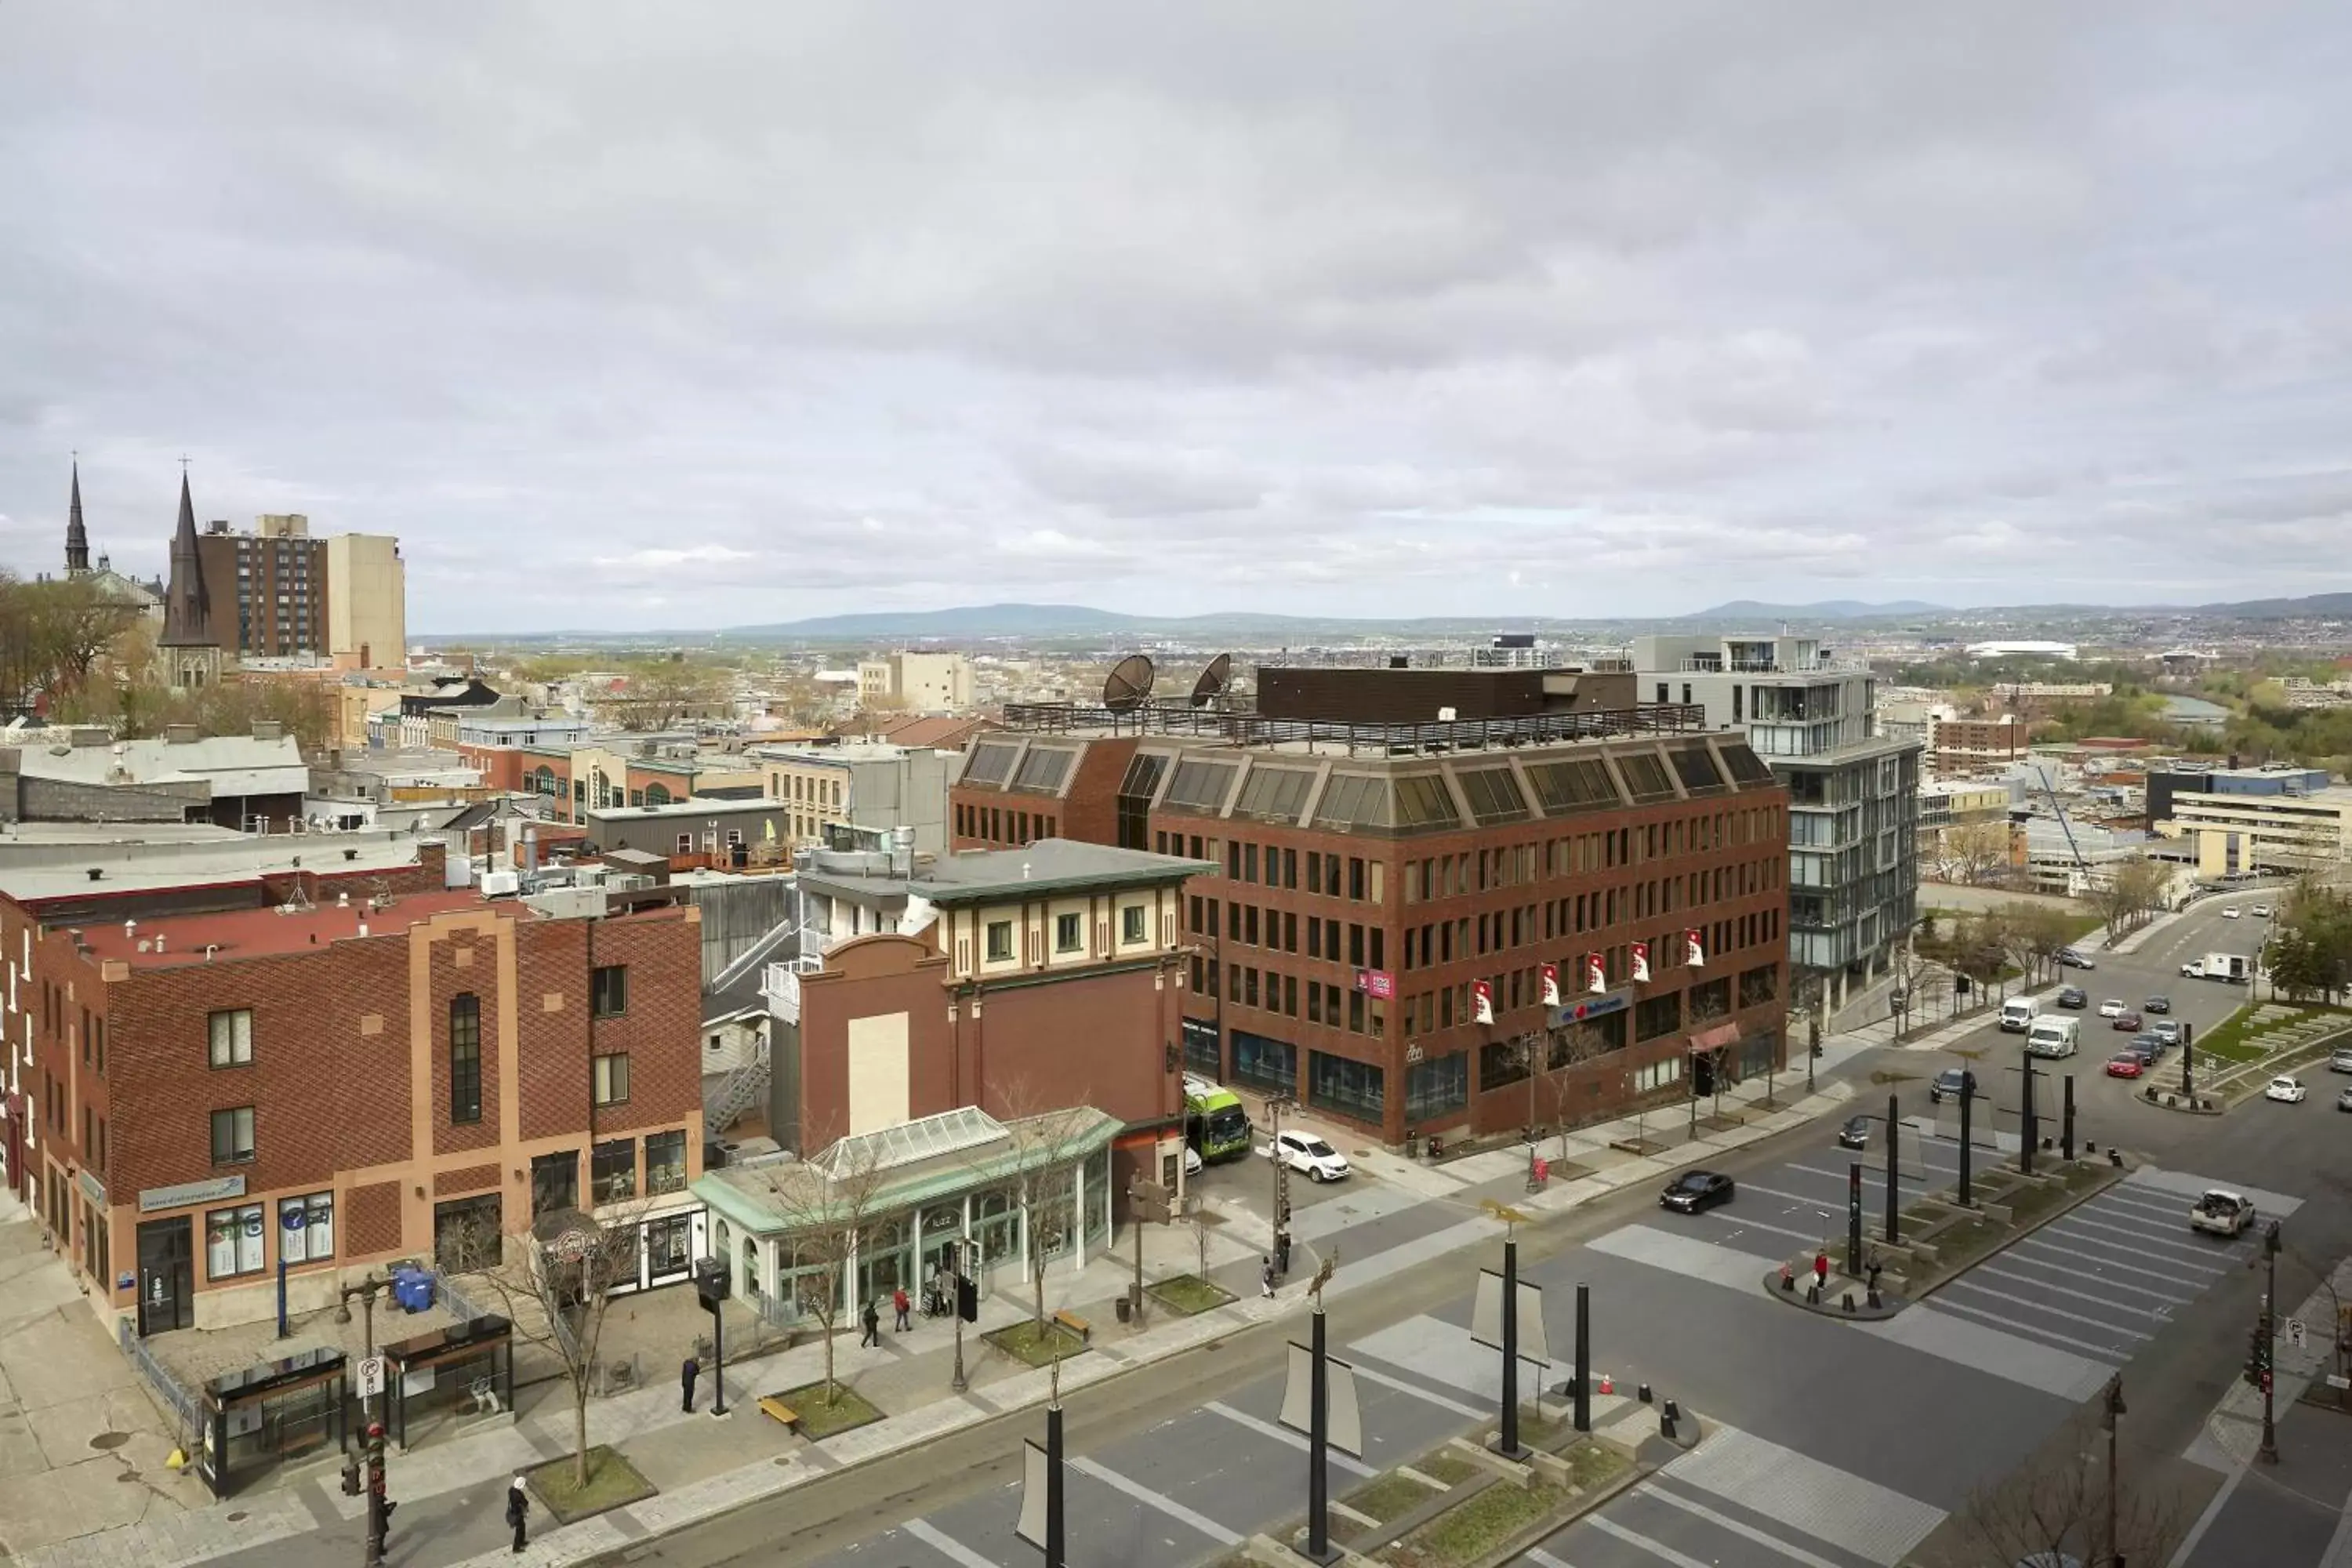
[[1542, 1559], [2052, 1311], [1725, 1522], [1825, 1205], [2139, 1238], [1659, 1549], [1810, 1237], [1870, 1174], [1468, 1411], [2013, 1326], [1289, 1438], [2098, 1263], [945, 1545], [1167, 1505], [2036, 1280]]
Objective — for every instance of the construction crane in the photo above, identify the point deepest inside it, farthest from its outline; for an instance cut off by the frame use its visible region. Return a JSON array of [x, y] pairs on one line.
[[2063, 825]]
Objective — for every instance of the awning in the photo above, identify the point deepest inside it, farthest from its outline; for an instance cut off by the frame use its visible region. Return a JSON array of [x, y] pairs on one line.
[[1714, 1039]]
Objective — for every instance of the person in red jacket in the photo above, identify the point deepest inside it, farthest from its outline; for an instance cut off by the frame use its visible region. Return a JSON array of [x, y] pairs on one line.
[[899, 1302]]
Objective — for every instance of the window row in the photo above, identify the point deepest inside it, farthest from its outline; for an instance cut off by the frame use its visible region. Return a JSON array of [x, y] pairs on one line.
[[1333, 1007], [1001, 825], [1330, 940], [1350, 876], [1578, 854], [1499, 931]]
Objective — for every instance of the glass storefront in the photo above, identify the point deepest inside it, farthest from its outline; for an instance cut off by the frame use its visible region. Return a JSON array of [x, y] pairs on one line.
[[1266, 1064]]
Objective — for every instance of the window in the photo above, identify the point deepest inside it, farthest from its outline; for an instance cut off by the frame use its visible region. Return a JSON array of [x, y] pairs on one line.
[[1656, 1016], [306, 1228], [465, 1058], [233, 1241], [1264, 1063], [612, 1171], [1069, 932], [665, 1163], [1132, 923], [1500, 1062], [1434, 1088], [232, 1035], [611, 1078], [1000, 942], [1350, 1088], [233, 1136], [554, 1182], [609, 991]]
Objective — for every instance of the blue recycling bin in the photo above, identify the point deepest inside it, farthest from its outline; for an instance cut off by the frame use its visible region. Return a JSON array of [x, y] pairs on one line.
[[413, 1288]]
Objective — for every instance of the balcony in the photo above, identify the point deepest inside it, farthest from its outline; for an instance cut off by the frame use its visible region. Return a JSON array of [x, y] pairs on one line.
[[780, 985]]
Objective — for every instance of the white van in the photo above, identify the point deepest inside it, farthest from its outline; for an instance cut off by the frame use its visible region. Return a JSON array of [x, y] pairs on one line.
[[2017, 1016], [2055, 1038]]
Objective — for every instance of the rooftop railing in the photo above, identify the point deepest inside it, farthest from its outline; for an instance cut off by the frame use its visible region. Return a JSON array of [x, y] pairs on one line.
[[1240, 728]]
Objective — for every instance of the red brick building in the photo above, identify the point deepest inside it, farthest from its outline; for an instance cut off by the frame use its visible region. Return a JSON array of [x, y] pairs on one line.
[[335, 1081], [1412, 912]]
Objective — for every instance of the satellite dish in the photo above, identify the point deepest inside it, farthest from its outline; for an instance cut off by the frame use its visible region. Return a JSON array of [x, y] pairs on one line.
[[1212, 680], [1128, 684]]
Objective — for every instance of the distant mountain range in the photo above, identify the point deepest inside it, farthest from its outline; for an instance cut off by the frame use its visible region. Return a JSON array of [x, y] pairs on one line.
[[2312, 606]]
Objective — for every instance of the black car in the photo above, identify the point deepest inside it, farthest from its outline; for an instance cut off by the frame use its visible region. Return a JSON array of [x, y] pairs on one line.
[[2073, 996], [2070, 958], [2157, 1005], [1947, 1084], [1856, 1133], [1695, 1190], [2147, 1047]]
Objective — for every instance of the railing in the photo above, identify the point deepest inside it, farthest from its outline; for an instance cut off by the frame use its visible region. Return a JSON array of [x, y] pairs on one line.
[[1710, 664], [1250, 729], [186, 1405], [779, 983]]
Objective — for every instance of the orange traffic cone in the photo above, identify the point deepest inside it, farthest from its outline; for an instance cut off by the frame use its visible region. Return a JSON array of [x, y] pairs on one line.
[[1607, 1384]]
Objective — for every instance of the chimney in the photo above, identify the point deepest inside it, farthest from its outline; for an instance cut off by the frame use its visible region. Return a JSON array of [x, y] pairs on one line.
[[179, 734], [268, 729], [529, 851]]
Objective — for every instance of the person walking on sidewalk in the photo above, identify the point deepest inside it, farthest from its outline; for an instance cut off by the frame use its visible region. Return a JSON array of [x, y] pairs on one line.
[[1822, 1270], [873, 1323], [1266, 1278], [518, 1510], [687, 1371], [900, 1303]]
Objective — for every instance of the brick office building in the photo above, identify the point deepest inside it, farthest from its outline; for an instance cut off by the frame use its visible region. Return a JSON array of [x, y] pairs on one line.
[[1398, 895], [335, 1082]]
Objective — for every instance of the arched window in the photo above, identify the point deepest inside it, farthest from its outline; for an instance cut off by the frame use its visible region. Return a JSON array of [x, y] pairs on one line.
[[656, 795]]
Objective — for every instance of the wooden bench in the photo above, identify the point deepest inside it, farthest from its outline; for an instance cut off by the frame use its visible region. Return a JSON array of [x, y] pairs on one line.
[[1076, 1324], [776, 1409]]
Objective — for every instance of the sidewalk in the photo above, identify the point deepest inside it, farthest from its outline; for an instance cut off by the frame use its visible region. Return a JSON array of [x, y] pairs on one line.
[[705, 1467]]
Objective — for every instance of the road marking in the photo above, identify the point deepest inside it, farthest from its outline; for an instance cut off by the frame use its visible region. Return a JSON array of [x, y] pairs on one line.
[[1686, 1256], [1165, 1504], [1725, 1522], [1815, 1500], [2143, 1238], [1658, 1549], [1810, 1237], [1542, 1559], [2134, 1248], [1283, 1435], [2101, 1263], [2015, 1326], [2035, 1280], [945, 1545], [1468, 1411], [2191, 1185], [2052, 1312], [1820, 1205], [1927, 1328], [1870, 1174]]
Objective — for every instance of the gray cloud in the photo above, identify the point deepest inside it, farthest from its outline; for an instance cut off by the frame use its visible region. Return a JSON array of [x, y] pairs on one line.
[[707, 314]]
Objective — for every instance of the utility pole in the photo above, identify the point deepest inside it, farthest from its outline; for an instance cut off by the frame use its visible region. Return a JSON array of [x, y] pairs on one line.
[[2114, 1408], [1893, 1171], [2029, 1127], [1275, 1105], [1583, 1357], [1507, 1443], [1968, 1096], [2066, 1117], [2268, 1453]]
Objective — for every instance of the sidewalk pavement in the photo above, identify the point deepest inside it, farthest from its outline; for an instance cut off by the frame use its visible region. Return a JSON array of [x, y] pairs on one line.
[[706, 1467]]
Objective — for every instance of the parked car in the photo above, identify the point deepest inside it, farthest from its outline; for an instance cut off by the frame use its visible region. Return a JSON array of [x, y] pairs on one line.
[[2157, 1005], [2074, 997], [2126, 1064], [2148, 1047], [2073, 958], [2131, 1021], [2221, 1212], [1695, 1190], [1856, 1133], [2286, 1090], [2230, 912], [2168, 1034], [1306, 1153], [2261, 911], [2113, 1007], [1947, 1082]]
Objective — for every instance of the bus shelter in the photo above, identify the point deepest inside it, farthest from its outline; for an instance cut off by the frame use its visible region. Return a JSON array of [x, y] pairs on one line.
[[254, 1420], [464, 1370]]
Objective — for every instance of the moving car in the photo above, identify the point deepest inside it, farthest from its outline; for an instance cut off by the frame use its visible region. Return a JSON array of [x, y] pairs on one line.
[[2074, 998], [2148, 1047], [2230, 912], [2221, 1212], [2157, 1005], [2071, 958], [2344, 1100], [2113, 1007], [1947, 1082], [2340, 1060], [2017, 1015], [2286, 1090], [2261, 911], [1695, 1190], [2131, 1021], [1306, 1153], [1856, 1133], [2126, 1064]]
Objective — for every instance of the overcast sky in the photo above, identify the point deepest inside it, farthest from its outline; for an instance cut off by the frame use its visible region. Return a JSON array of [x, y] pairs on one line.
[[638, 316]]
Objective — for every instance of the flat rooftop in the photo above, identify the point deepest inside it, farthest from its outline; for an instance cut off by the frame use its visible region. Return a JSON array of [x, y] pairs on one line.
[[267, 932], [1046, 866], [63, 870]]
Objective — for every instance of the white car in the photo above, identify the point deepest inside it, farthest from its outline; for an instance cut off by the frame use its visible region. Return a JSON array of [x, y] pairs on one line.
[[2288, 1090], [2261, 911], [2113, 1007], [1306, 1153], [2229, 911], [1192, 1161]]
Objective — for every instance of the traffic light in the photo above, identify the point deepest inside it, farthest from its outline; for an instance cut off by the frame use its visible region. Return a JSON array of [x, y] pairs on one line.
[[2258, 1354]]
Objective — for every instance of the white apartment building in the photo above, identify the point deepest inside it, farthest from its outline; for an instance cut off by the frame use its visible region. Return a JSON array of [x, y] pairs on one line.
[[924, 682]]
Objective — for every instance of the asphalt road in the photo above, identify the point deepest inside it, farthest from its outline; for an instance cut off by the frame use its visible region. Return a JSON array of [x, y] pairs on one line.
[[1843, 1444]]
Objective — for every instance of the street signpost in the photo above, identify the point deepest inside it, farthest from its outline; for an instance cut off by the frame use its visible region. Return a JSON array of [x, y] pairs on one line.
[[371, 1376]]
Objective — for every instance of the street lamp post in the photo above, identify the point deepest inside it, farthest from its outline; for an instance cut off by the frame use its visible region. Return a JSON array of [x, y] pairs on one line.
[[2114, 1408], [2268, 1453], [1275, 1106]]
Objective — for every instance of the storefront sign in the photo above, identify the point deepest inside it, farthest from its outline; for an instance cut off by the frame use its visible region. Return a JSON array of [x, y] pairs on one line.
[[186, 1193], [1376, 984], [91, 1188], [1585, 1007]]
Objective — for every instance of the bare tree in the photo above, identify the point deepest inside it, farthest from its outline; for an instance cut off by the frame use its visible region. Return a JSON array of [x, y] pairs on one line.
[[555, 1285], [826, 1202], [2127, 894], [1570, 1048], [1974, 853], [1707, 1002], [659, 694], [2057, 1507], [1048, 1143]]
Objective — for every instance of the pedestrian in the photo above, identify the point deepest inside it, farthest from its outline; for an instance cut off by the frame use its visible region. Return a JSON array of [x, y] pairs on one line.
[[902, 1306], [518, 1510], [688, 1370], [1266, 1278], [1822, 1270], [873, 1323], [1875, 1266]]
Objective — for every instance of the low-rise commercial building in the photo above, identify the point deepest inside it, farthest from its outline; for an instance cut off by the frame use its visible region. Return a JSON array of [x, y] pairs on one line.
[[2252, 820], [923, 682], [1961, 747], [876, 787]]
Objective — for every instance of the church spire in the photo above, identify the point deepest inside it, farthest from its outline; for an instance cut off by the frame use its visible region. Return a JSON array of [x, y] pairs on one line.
[[187, 607], [77, 537]]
